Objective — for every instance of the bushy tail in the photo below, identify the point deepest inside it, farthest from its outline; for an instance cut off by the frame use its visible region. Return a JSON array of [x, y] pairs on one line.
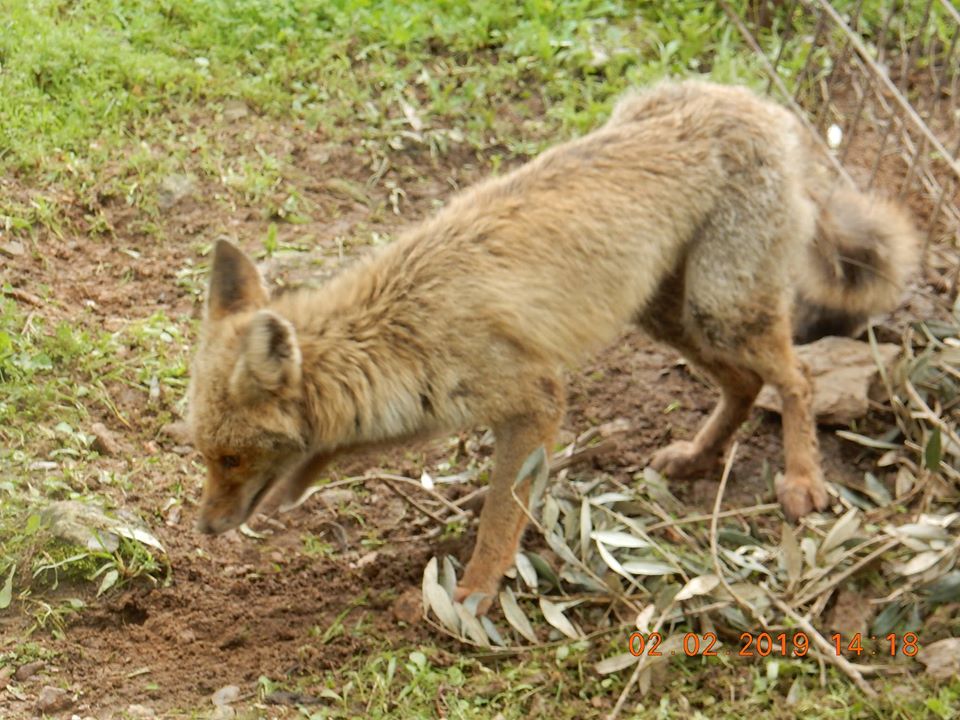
[[857, 266]]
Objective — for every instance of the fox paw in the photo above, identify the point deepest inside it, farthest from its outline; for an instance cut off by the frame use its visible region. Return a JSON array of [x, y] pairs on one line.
[[682, 459], [462, 593], [801, 494]]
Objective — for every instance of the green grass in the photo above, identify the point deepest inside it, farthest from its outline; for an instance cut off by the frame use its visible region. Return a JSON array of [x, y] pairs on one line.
[[96, 71], [423, 682], [52, 374]]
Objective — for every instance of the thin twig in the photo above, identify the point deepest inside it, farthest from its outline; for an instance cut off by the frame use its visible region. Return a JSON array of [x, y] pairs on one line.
[[414, 504], [714, 551], [414, 483], [828, 650], [738, 512]]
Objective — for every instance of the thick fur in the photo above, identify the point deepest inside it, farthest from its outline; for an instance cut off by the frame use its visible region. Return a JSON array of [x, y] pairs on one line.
[[688, 213], [864, 252]]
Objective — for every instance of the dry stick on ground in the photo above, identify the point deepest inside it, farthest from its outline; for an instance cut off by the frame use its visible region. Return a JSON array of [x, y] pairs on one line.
[[414, 504], [24, 296], [716, 561], [828, 651], [387, 477], [737, 512], [714, 552]]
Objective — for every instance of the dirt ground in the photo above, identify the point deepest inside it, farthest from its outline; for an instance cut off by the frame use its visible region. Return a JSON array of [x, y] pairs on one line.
[[237, 608]]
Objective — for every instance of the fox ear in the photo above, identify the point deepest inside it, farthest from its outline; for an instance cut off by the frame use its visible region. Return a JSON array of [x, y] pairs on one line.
[[270, 358], [235, 283]]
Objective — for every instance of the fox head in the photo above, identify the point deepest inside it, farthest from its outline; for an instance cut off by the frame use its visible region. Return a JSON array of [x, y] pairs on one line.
[[246, 408]]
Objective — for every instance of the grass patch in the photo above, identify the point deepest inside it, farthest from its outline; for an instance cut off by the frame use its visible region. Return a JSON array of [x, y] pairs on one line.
[[53, 374], [423, 682], [96, 72]]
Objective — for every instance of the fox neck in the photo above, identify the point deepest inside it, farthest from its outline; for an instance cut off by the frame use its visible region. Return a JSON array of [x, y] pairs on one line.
[[363, 387]]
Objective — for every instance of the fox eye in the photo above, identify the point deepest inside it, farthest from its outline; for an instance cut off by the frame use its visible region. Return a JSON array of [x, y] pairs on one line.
[[229, 461]]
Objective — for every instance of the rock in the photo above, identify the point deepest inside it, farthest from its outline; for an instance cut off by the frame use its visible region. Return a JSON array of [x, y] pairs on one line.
[[80, 523], [223, 712], [5, 674], [104, 441], [336, 497], [365, 560], [234, 110], [408, 607], [141, 711], [942, 658], [226, 695], [178, 431], [52, 700], [25, 672], [845, 377], [173, 189], [88, 525], [12, 249]]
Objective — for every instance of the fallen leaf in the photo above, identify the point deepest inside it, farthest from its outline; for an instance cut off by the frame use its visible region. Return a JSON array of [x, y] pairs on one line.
[[554, 615], [697, 586], [515, 616]]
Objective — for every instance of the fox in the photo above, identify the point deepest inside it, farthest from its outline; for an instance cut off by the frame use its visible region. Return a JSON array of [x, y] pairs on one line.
[[698, 212]]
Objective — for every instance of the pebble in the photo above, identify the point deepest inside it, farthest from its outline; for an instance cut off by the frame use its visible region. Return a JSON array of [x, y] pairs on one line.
[[51, 700], [408, 607], [25, 672], [226, 695], [141, 711], [104, 441]]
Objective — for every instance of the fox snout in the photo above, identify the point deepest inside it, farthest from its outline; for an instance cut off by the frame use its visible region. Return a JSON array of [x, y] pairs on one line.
[[206, 526], [214, 520], [223, 506]]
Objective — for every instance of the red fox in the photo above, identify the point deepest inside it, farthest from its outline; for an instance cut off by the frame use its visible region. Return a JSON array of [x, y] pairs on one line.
[[697, 212]]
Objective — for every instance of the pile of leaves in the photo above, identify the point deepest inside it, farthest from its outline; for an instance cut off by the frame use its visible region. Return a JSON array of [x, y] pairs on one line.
[[627, 559]]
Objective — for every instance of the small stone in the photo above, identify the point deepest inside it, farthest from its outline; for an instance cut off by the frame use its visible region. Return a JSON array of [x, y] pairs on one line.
[[25, 672], [53, 700], [222, 712], [5, 674], [178, 431], [12, 248], [337, 497], [173, 189], [141, 711], [408, 607], [234, 110], [103, 440], [226, 695], [187, 636]]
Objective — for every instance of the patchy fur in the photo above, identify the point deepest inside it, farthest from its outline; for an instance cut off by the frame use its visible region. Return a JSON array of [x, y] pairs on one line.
[[688, 213]]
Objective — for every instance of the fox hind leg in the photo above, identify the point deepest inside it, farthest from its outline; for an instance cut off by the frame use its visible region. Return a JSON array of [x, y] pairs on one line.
[[690, 458]]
